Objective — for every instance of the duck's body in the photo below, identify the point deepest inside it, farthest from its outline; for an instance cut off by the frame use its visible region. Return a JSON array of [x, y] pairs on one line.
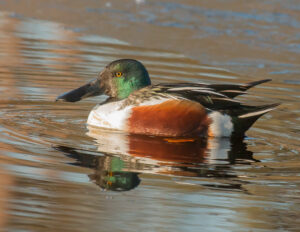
[[155, 116], [172, 110]]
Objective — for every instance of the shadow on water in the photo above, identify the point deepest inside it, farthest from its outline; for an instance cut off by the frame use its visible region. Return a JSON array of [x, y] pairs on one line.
[[122, 157]]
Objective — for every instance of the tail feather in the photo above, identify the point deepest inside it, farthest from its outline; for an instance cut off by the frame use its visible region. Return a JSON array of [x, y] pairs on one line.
[[232, 91], [258, 111], [255, 83], [248, 116]]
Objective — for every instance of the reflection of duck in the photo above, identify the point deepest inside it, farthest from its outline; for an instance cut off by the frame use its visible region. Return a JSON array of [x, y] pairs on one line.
[[109, 174], [123, 156], [182, 109], [152, 149], [170, 156]]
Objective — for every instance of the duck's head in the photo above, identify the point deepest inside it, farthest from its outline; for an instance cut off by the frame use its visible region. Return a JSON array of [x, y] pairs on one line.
[[118, 80]]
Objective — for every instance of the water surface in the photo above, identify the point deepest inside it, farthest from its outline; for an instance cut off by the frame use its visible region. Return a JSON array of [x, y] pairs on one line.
[[57, 174]]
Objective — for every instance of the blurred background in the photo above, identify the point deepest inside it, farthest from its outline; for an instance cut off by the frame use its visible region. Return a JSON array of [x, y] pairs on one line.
[[56, 174], [247, 36]]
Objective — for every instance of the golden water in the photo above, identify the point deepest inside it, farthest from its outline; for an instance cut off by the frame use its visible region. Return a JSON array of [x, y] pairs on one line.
[[58, 175]]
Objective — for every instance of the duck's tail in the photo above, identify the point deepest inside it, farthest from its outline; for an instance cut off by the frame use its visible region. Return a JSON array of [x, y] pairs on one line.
[[232, 91], [255, 83], [245, 118]]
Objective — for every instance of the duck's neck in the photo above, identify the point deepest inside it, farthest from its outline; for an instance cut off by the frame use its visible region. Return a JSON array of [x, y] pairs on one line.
[[125, 88]]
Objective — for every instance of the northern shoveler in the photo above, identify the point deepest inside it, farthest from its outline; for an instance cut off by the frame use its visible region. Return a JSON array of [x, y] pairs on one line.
[[167, 109]]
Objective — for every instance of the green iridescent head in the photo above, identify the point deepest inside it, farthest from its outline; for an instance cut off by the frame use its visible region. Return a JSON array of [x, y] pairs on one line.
[[122, 77], [118, 80]]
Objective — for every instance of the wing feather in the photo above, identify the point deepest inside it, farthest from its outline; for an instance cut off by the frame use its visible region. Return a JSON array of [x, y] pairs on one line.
[[212, 96]]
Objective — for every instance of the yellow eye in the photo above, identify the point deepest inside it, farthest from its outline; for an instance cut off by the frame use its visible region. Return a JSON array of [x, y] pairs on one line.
[[119, 74]]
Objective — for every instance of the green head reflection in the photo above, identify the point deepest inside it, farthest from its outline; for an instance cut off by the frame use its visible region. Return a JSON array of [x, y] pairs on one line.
[[109, 175]]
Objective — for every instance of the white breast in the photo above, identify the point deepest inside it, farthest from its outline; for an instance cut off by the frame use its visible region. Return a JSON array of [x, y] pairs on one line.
[[110, 116], [114, 115]]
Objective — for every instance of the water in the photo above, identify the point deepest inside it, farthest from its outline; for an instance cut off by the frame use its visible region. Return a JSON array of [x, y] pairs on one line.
[[56, 174]]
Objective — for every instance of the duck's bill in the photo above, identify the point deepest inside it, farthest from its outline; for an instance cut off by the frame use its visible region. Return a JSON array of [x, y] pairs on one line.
[[90, 89]]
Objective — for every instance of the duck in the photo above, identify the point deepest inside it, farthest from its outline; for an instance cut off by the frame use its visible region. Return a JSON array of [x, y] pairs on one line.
[[136, 106]]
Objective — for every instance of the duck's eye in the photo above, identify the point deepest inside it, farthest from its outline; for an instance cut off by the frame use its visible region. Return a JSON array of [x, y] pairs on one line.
[[119, 74]]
